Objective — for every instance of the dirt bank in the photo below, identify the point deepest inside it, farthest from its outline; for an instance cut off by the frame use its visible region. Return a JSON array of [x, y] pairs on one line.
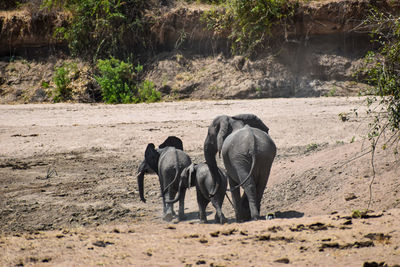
[[314, 53], [88, 210]]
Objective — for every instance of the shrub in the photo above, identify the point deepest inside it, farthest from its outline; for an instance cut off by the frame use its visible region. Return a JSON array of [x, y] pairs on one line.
[[382, 72], [248, 22], [119, 84], [62, 81], [100, 29], [147, 92], [10, 4], [115, 81]]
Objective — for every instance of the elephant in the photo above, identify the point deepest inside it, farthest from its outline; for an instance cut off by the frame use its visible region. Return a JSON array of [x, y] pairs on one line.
[[167, 162], [248, 152], [199, 175]]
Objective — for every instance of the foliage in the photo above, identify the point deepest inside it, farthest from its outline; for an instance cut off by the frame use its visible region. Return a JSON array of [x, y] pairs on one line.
[[119, 83], [357, 214], [147, 93], [102, 28], [10, 4], [311, 147], [383, 74], [249, 22], [215, 2], [62, 80]]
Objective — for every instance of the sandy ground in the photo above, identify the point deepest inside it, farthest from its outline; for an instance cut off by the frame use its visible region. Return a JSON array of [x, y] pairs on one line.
[[68, 192]]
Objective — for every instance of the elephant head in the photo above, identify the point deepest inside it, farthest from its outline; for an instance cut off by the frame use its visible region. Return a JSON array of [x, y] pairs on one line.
[[188, 179], [220, 128], [150, 161]]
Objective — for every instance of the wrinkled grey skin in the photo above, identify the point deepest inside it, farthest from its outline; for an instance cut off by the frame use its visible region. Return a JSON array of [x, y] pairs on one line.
[[168, 162], [199, 175], [248, 152]]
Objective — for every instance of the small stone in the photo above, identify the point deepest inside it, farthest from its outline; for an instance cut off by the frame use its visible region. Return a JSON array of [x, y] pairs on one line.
[[283, 260], [203, 240], [350, 196], [215, 234]]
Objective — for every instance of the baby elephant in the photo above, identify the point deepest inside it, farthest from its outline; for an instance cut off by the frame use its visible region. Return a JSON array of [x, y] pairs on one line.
[[199, 175]]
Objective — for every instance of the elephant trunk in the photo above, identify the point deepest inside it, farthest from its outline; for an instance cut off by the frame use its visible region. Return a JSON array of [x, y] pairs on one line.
[[178, 195], [143, 167], [140, 180], [209, 154]]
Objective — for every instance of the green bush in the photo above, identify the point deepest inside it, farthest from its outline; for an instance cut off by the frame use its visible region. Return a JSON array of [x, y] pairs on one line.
[[382, 72], [10, 4], [210, 2], [62, 81], [100, 29], [116, 81], [249, 22], [147, 92], [119, 84]]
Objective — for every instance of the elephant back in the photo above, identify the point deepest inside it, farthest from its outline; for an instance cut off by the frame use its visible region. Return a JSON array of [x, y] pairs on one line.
[[172, 158], [205, 181], [249, 140]]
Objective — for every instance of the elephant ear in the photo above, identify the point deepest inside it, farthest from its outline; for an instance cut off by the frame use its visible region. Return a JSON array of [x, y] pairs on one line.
[[224, 130], [252, 120], [151, 155], [172, 141]]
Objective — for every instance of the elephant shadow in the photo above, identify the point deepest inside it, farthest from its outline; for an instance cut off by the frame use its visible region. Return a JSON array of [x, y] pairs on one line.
[[194, 215], [290, 214]]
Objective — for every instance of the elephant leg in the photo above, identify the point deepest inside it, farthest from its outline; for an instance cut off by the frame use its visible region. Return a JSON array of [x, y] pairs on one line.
[[232, 174], [182, 204], [163, 196], [250, 190], [219, 216], [261, 184], [169, 207], [251, 193], [202, 203], [245, 214], [249, 196], [236, 199]]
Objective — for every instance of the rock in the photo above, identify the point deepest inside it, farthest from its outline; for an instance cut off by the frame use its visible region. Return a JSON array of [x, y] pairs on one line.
[[350, 196], [238, 62], [283, 260]]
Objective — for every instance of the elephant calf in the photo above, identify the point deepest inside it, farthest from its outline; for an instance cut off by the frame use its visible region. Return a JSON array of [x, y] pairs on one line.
[[199, 175], [167, 162]]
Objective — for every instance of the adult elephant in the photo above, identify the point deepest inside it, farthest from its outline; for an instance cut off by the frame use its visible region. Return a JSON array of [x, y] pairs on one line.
[[167, 162], [248, 152]]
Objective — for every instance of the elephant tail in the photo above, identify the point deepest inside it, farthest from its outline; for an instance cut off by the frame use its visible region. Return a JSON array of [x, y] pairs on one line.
[[178, 196], [253, 162], [176, 174]]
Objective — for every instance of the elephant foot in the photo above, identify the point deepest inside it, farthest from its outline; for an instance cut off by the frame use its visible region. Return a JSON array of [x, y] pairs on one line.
[[176, 220], [168, 217], [203, 221], [221, 219], [270, 216]]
